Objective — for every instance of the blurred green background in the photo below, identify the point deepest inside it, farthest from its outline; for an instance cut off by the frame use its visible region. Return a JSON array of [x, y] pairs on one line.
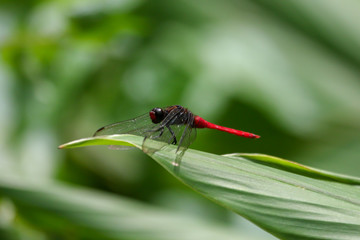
[[286, 70]]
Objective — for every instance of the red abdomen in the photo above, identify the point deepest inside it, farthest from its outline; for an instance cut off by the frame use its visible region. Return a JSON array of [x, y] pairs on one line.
[[202, 123]]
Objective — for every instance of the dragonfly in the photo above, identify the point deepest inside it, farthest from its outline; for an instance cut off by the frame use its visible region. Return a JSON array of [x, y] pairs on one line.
[[169, 125]]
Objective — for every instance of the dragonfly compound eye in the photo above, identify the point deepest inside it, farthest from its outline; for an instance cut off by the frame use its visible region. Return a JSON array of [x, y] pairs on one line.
[[157, 115]]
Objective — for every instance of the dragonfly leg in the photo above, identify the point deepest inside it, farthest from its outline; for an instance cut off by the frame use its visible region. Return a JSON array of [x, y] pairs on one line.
[[173, 135], [160, 129], [161, 132]]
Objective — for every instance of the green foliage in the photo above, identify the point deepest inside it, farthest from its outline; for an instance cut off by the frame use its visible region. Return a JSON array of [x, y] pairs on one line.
[[286, 70], [308, 204], [79, 213]]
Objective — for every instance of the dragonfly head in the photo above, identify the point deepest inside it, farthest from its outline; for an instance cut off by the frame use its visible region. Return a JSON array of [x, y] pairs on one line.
[[157, 115]]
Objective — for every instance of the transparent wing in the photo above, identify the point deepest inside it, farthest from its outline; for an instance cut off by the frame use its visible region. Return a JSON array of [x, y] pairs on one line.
[[162, 133], [141, 126], [137, 126], [176, 130], [188, 136]]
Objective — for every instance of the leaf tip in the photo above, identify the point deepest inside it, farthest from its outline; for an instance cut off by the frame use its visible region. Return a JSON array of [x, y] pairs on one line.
[[62, 146]]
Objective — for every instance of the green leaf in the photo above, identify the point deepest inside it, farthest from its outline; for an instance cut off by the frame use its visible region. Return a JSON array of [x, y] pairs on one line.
[[296, 167], [288, 200], [79, 213], [109, 140]]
